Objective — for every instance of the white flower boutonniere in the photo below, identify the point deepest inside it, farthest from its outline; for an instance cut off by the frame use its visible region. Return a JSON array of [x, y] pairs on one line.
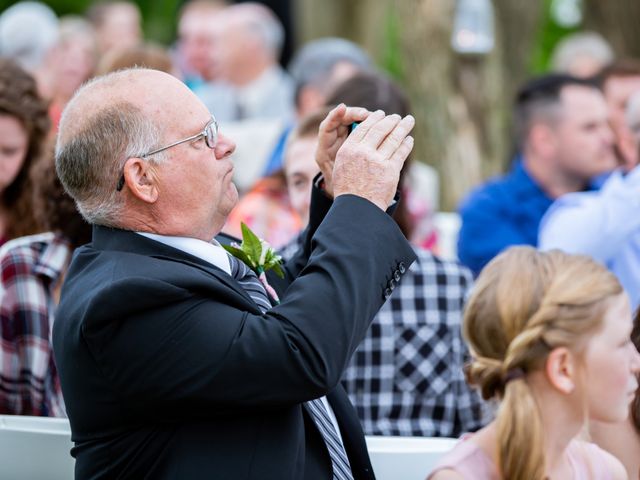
[[259, 256]]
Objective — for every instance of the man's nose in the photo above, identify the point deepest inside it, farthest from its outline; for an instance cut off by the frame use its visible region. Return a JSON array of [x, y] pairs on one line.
[[224, 147]]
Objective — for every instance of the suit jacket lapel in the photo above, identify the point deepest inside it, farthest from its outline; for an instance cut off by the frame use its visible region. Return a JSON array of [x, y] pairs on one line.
[[105, 238]]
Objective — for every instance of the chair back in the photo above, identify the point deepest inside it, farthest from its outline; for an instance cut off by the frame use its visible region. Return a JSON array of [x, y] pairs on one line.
[[406, 458], [34, 448]]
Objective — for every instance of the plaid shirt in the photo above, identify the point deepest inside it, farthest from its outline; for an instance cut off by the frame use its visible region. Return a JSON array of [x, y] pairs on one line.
[[30, 269], [406, 376]]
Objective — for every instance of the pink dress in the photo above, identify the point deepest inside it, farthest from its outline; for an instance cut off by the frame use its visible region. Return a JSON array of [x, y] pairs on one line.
[[587, 460]]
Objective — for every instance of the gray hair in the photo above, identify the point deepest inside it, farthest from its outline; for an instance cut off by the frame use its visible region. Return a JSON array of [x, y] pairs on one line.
[[90, 159], [581, 44], [28, 31], [315, 61], [260, 20]]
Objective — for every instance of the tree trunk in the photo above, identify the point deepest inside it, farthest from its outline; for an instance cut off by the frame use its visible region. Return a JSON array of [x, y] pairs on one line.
[[361, 21], [617, 21], [462, 104]]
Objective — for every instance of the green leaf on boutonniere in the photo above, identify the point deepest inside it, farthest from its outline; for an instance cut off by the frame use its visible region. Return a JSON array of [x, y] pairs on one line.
[[251, 245], [256, 253], [238, 253], [277, 269]]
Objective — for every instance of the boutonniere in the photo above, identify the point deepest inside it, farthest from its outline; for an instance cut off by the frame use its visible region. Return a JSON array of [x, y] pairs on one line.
[[259, 256]]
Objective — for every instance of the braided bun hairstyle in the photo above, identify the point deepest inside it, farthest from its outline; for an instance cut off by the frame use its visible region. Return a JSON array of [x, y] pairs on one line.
[[524, 304]]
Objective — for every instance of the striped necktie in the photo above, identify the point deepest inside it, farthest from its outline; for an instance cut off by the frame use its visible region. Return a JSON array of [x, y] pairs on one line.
[[316, 408], [250, 283]]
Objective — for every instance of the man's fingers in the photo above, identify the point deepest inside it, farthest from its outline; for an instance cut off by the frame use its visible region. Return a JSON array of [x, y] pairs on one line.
[[378, 132], [361, 131], [402, 152], [333, 119], [391, 143], [355, 114], [342, 116]]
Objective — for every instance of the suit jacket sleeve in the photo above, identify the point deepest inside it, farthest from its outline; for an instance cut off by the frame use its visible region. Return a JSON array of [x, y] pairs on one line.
[[182, 348]]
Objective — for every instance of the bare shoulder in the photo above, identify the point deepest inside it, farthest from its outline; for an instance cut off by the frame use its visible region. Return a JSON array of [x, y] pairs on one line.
[[592, 452], [446, 474], [618, 472]]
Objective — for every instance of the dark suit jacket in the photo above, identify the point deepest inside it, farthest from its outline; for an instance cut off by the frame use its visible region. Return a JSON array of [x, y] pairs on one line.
[[169, 369]]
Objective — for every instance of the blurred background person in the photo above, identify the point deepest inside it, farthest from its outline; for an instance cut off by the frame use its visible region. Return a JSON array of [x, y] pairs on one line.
[[549, 337], [197, 60], [28, 33], [247, 46], [117, 24], [73, 61], [619, 80], [24, 128], [564, 141], [581, 54], [32, 270], [194, 52], [147, 55]]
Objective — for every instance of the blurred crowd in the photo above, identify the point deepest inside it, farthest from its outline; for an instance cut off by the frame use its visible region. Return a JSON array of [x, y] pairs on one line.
[[572, 186]]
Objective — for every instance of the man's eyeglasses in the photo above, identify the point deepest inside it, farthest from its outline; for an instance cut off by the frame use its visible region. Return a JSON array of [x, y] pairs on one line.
[[209, 133]]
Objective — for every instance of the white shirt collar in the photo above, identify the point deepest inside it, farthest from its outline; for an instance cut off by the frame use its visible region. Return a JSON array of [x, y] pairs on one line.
[[209, 252]]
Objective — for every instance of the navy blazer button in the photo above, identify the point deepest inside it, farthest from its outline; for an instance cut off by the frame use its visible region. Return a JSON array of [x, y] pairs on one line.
[[396, 275], [387, 293], [401, 267], [392, 284]]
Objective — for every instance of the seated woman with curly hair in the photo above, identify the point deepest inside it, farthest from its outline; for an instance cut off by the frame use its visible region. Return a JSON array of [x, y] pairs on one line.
[[549, 336], [32, 269]]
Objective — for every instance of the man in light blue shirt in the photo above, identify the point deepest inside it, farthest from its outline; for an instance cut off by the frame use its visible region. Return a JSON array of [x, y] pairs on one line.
[[605, 224]]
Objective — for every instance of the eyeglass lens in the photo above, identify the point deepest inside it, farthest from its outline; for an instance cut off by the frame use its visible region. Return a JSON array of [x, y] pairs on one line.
[[211, 134]]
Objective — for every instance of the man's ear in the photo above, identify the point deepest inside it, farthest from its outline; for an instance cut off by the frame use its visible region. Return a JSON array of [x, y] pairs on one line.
[[560, 369], [542, 138], [141, 179]]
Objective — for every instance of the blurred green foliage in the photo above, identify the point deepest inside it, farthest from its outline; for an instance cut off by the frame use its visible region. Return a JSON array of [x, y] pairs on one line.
[[549, 35], [391, 60], [160, 16]]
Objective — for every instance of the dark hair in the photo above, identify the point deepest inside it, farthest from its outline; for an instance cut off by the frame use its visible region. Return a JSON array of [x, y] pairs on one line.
[[147, 55], [19, 99], [375, 91], [625, 67], [540, 98], [635, 405], [53, 209]]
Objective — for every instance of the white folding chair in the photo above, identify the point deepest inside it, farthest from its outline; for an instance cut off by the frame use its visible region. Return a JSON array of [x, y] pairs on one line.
[[447, 225], [406, 458], [34, 448]]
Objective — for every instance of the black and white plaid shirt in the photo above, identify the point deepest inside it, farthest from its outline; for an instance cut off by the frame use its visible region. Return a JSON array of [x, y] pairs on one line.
[[406, 376]]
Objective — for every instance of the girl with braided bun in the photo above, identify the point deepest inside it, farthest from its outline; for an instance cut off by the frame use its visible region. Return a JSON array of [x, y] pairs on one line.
[[549, 336]]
